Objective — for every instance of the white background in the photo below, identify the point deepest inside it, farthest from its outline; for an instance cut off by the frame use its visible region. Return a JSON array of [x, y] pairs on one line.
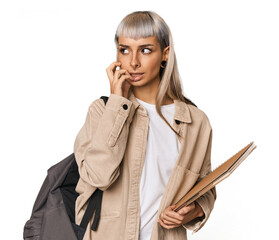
[[53, 56]]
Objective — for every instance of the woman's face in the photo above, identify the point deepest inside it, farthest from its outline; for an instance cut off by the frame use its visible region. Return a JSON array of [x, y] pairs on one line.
[[142, 58]]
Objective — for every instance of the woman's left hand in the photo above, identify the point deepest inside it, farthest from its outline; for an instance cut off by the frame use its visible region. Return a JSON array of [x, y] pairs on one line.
[[170, 219]]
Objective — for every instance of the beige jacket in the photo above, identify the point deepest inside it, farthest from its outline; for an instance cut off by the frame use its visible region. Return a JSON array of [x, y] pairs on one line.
[[110, 152]]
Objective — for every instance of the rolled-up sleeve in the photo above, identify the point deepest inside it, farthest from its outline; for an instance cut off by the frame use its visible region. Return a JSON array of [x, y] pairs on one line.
[[100, 144]]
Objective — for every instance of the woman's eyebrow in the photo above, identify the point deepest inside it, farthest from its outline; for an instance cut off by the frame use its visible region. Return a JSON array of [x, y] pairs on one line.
[[144, 45]]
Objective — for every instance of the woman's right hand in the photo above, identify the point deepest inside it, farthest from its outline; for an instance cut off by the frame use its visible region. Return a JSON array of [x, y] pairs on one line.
[[118, 80]]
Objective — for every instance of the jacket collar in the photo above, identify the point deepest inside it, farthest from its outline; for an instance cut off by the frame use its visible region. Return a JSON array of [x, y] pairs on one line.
[[181, 113]]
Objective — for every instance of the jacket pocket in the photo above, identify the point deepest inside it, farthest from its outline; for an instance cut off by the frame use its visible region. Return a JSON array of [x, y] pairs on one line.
[[111, 214], [189, 180], [186, 179], [107, 229], [112, 201]]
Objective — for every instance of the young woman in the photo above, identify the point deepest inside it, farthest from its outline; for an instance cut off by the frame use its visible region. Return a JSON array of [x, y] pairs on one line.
[[148, 145]]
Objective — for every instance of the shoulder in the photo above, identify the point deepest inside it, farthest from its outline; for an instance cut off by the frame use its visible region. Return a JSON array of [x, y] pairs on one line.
[[98, 102], [198, 116], [97, 107]]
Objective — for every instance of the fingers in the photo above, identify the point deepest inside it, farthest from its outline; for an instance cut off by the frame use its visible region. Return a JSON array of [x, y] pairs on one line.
[[114, 74], [187, 209], [121, 74], [167, 226], [170, 219], [111, 69], [126, 87], [118, 79]]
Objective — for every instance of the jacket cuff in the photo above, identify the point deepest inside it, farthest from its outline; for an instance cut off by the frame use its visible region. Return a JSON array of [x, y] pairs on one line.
[[197, 223], [123, 110], [121, 105]]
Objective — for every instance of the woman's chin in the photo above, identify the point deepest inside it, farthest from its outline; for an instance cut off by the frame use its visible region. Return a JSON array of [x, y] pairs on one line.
[[135, 83]]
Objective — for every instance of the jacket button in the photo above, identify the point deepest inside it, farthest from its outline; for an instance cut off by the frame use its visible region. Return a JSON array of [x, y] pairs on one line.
[[125, 106], [177, 121]]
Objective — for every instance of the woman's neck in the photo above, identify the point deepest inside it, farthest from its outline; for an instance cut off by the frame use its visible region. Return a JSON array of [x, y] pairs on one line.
[[148, 95]]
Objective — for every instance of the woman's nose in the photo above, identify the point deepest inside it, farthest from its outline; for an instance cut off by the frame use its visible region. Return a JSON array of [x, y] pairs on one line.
[[134, 62]]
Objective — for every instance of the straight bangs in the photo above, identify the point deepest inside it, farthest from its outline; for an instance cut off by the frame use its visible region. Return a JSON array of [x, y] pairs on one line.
[[140, 25]]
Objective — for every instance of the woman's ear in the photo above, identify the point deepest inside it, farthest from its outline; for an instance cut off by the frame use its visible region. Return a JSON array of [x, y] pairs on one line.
[[166, 53]]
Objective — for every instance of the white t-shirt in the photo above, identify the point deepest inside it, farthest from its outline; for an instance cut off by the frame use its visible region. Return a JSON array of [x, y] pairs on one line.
[[161, 154]]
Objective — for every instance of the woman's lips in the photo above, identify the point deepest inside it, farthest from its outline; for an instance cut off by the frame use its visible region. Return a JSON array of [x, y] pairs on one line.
[[136, 76]]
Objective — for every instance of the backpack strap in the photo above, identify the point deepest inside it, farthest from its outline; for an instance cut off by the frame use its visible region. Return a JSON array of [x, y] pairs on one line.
[[94, 204], [105, 98]]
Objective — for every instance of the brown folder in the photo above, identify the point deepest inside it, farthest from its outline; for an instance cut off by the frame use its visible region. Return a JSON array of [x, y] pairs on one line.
[[212, 179]]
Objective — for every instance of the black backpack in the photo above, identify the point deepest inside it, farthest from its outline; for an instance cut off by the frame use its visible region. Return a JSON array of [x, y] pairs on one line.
[[53, 213]]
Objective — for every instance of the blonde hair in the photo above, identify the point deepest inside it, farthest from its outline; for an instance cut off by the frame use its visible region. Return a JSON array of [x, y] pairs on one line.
[[143, 24]]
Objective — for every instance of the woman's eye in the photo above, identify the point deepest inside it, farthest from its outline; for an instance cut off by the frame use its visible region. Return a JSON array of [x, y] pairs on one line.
[[124, 50], [146, 50]]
